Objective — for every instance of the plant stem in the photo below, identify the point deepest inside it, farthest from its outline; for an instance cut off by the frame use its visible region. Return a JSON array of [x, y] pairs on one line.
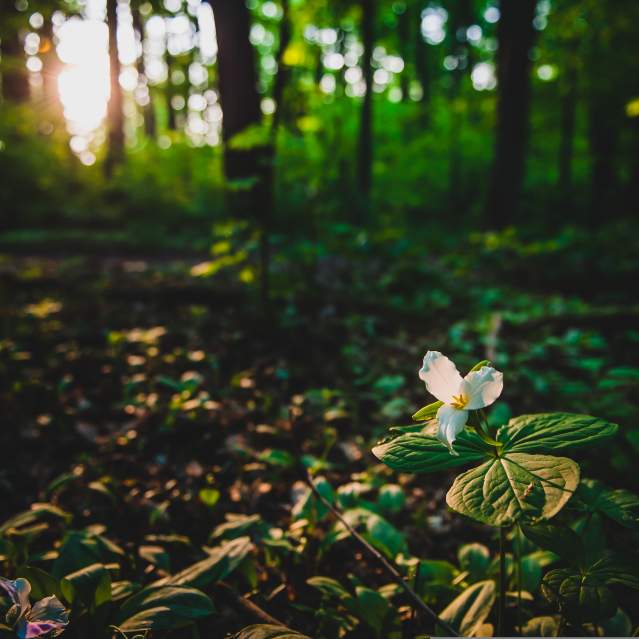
[[388, 567], [502, 582], [519, 542]]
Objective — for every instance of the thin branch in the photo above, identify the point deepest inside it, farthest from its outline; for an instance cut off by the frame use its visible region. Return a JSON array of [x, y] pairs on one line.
[[388, 567], [248, 606]]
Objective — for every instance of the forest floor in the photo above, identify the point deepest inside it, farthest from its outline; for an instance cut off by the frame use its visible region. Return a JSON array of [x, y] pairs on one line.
[[172, 411]]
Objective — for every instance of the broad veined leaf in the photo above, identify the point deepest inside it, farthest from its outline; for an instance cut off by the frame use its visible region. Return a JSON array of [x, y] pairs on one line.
[[42, 583], [475, 559], [515, 487], [372, 607], [221, 562], [91, 585], [541, 627], [423, 453], [580, 595], [621, 506], [559, 539], [268, 631], [163, 608], [547, 432], [329, 587], [469, 610]]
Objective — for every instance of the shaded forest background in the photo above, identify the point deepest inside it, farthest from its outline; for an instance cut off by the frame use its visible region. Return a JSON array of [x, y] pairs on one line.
[[308, 118]]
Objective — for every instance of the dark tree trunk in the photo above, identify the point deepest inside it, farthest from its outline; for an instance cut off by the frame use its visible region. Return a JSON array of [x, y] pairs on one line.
[[365, 144], [15, 77], [405, 48], [515, 35], [239, 98], [281, 77], [567, 136], [240, 103], [148, 111], [170, 93], [115, 115], [422, 62]]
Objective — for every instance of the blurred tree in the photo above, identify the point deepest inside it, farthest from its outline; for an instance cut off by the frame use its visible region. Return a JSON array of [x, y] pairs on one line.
[[239, 98], [148, 109], [15, 77], [115, 113], [515, 34], [365, 141]]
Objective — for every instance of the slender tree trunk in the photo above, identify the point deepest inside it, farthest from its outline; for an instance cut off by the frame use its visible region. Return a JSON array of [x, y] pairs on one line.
[[515, 34], [15, 77], [567, 136], [405, 46], [170, 93], [115, 114], [238, 85], [365, 145], [148, 111], [422, 64], [281, 77]]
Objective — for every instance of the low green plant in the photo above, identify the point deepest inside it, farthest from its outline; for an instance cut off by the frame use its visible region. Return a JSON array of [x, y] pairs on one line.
[[518, 484]]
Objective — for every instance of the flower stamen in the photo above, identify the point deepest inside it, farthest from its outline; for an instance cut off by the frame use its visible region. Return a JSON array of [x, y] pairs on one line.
[[459, 401]]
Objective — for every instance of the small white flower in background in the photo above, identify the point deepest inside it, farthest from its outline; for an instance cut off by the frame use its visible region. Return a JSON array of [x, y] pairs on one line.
[[460, 395], [47, 617]]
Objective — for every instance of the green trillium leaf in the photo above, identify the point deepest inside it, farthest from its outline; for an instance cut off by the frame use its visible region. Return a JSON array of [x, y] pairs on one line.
[[547, 432], [427, 412], [163, 608], [268, 631], [583, 597], [541, 627], [561, 540], [515, 487], [423, 453], [621, 506], [468, 611]]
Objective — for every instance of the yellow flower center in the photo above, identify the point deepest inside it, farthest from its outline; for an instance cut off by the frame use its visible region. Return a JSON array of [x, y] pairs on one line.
[[459, 401]]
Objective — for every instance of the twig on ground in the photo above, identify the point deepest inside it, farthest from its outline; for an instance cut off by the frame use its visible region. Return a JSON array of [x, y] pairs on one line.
[[388, 567], [248, 606]]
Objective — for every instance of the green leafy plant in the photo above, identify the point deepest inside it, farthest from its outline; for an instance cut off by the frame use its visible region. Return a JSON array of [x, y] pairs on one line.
[[517, 483]]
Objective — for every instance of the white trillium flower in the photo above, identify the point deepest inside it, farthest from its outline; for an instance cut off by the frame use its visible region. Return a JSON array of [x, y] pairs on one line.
[[460, 395]]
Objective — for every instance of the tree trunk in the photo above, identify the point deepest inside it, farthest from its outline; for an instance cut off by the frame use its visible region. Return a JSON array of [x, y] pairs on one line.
[[515, 35], [148, 111], [405, 46], [567, 136], [238, 85], [15, 77], [422, 66], [115, 114], [365, 145], [240, 103]]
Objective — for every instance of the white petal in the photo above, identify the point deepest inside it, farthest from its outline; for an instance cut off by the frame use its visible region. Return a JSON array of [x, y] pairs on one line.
[[451, 423], [441, 376], [482, 387]]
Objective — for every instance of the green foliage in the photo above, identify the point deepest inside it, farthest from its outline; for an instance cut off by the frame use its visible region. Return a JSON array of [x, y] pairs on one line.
[[468, 612], [515, 487]]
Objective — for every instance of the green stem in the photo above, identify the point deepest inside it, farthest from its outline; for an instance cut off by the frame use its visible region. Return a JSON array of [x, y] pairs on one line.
[[502, 582], [519, 541]]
